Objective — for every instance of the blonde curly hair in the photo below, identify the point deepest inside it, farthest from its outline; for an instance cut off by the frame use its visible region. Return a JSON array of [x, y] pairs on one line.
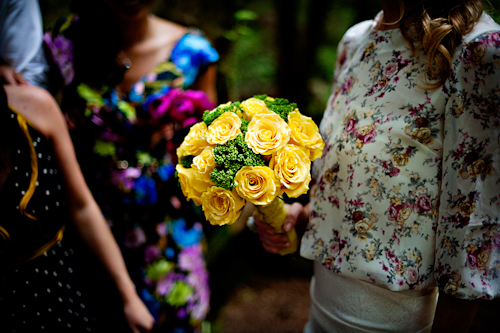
[[436, 27]]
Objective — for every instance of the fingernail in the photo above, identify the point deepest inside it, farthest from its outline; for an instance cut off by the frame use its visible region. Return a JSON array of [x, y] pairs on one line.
[[287, 227], [287, 244]]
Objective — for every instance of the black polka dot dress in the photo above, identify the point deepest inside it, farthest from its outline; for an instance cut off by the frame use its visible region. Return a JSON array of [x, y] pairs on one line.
[[40, 290]]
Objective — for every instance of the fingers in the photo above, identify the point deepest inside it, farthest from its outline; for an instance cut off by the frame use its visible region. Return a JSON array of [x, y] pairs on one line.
[[274, 243], [294, 211], [20, 79], [9, 76], [271, 241]]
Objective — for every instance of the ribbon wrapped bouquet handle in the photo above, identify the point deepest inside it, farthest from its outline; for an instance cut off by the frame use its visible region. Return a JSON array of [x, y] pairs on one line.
[[257, 150]]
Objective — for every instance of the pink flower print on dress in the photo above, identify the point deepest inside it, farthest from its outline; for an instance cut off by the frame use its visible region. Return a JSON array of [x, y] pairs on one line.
[[350, 126], [424, 203]]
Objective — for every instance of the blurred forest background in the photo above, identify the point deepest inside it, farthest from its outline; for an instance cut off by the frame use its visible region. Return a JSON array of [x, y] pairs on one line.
[[283, 48]]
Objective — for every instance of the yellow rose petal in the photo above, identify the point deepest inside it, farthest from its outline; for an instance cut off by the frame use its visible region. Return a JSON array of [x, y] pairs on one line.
[[304, 132], [194, 142], [267, 133], [221, 206], [191, 186], [292, 168], [257, 184], [224, 128], [204, 164], [253, 106]]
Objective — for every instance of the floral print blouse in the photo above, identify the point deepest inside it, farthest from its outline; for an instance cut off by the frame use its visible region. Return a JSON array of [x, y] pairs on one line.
[[126, 148], [407, 192]]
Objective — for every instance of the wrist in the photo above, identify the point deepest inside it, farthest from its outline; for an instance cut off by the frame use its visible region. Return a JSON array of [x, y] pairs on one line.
[[126, 289]]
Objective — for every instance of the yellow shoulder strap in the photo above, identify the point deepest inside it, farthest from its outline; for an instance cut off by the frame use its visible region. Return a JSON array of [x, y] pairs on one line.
[[34, 168]]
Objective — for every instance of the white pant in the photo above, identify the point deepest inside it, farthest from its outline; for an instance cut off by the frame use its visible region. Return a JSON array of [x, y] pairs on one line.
[[344, 304]]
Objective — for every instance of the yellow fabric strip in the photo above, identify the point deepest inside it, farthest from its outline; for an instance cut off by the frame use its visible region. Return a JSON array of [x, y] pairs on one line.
[[44, 248], [34, 167], [4, 234]]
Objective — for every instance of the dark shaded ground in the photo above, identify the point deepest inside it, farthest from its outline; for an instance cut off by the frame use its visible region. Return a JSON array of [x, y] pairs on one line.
[[254, 291], [266, 305]]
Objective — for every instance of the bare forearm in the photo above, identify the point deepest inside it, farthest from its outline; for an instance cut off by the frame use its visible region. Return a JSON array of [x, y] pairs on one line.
[[453, 314], [98, 237]]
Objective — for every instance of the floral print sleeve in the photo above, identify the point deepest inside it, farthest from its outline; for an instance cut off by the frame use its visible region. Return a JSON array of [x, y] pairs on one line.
[[406, 192], [468, 231]]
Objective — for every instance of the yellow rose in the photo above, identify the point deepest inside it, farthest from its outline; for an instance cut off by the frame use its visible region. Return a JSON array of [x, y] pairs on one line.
[[359, 143], [253, 106], [364, 130], [267, 133], [476, 168], [204, 164], [363, 226], [421, 134], [482, 259], [471, 248], [221, 206], [192, 187], [466, 208], [224, 128], [478, 54], [194, 142], [329, 175], [451, 288], [304, 132], [400, 159], [257, 184], [292, 168], [401, 268], [403, 215]]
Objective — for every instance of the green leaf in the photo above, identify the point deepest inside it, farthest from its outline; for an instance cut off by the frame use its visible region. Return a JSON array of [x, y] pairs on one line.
[[246, 15]]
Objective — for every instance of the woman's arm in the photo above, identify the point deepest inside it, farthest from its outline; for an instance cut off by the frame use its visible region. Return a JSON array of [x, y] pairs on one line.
[[43, 112]]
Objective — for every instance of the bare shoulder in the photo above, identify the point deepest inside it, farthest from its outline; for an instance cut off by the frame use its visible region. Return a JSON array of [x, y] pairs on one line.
[[166, 31], [37, 106]]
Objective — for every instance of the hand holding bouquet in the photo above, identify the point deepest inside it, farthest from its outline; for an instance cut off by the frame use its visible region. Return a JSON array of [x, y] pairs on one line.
[[254, 151]]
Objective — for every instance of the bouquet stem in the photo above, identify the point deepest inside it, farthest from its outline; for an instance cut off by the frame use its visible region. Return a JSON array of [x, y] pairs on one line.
[[274, 215]]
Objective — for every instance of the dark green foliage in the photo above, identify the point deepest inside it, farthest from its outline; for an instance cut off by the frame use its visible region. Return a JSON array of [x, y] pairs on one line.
[[187, 161]]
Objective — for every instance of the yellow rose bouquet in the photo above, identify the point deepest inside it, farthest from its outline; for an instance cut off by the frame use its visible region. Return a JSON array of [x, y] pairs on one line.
[[256, 151]]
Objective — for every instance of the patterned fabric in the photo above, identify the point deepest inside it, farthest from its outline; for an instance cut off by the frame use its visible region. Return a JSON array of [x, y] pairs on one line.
[[408, 186], [126, 147], [46, 293]]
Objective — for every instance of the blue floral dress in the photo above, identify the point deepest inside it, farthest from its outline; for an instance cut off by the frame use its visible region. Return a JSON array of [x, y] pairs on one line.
[[126, 146]]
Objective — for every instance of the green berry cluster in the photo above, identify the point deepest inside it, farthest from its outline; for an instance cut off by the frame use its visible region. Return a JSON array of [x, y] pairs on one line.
[[230, 158], [210, 115], [280, 106]]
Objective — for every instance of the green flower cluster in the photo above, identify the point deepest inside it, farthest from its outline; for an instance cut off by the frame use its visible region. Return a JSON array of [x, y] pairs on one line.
[[231, 157], [280, 106], [210, 115]]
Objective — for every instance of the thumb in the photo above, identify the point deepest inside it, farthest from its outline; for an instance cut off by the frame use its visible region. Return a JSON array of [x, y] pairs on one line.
[[292, 216]]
